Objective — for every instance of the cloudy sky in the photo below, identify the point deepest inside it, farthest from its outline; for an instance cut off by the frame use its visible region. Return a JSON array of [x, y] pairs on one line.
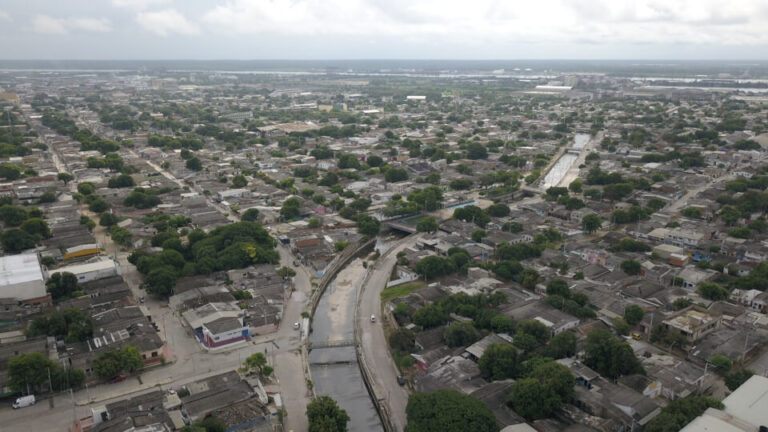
[[383, 29]]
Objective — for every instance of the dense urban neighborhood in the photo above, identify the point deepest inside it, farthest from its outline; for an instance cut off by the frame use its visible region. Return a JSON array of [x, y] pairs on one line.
[[545, 247]]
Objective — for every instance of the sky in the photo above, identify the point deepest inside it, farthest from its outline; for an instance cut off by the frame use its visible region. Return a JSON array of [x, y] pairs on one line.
[[383, 29]]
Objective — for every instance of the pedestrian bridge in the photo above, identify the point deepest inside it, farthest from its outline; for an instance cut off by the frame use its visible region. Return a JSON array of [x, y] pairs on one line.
[[333, 343]]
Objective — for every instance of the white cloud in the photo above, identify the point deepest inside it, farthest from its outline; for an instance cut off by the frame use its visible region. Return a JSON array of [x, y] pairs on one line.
[[491, 21], [167, 21], [137, 4], [99, 25], [58, 26], [48, 25]]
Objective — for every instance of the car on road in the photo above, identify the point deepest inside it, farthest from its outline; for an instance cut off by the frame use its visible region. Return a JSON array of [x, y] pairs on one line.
[[296, 325], [373, 318], [117, 379], [400, 380], [24, 401]]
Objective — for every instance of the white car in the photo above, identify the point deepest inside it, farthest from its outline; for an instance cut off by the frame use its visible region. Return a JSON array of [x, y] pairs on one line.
[[373, 318], [296, 325]]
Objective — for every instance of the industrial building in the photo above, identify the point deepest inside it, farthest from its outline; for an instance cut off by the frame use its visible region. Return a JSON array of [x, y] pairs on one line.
[[90, 271], [21, 277]]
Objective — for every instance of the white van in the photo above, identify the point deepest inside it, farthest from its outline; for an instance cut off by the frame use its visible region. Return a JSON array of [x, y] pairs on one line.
[[24, 401]]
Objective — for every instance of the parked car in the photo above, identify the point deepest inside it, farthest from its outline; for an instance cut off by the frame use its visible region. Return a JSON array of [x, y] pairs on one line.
[[24, 401], [296, 325], [373, 318], [117, 379], [400, 380]]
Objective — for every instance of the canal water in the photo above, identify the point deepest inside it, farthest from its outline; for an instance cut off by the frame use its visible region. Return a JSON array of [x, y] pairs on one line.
[[334, 368], [561, 167]]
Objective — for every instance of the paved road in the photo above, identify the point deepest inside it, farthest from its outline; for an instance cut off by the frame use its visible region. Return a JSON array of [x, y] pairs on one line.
[[375, 347], [691, 193]]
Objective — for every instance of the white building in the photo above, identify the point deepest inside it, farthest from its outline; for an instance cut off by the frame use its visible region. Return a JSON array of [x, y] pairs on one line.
[[744, 410], [21, 277], [90, 271], [224, 332]]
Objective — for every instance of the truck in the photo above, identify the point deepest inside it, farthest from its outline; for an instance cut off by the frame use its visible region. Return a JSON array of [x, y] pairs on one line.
[[24, 401]]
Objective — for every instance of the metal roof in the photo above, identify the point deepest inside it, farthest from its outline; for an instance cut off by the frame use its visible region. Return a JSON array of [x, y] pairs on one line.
[[21, 268]]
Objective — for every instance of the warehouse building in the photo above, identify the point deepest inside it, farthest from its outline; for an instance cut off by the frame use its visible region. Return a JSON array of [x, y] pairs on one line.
[[21, 277], [90, 271]]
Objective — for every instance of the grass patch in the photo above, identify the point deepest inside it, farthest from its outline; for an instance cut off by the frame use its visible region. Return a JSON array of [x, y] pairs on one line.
[[401, 290]]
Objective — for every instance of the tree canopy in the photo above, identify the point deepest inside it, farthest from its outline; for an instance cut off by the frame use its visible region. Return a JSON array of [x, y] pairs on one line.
[[325, 415], [448, 411], [610, 356]]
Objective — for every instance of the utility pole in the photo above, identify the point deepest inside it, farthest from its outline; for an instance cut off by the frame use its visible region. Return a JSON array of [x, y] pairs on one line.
[[50, 383]]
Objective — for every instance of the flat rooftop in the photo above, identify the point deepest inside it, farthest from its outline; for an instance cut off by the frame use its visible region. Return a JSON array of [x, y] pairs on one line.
[[21, 268]]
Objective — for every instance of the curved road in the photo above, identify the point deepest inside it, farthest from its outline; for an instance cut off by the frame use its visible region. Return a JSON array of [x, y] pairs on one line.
[[374, 346]]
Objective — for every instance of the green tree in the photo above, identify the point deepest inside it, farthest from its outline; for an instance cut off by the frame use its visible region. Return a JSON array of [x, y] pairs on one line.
[[403, 340], [533, 399], [713, 291], [631, 267], [434, 266], [609, 356], [108, 219], [722, 363], [375, 161], [13, 215], [160, 281], [86, 188], [194, 164], [28, 370], [427, 224], [476, 151], [478, 234], [559, 287], [448, 411], [501, 324], [556, 376], [738, 377], [325, 415], [395, 175], [257, 362], [98, 206], [286, 272], [72, 325], [633, 314], [239, 181], [250, 215], [121, 181], [499, 361], [368, 225], [120, 235], [15, 240], [692, 212], [291, 209], [429, 316], [65, 177], [575, 186], [460, 334], [562, 345], [36, 227], [111, 363], [498, 210], [62, 284], [730, 215], [591, 223]]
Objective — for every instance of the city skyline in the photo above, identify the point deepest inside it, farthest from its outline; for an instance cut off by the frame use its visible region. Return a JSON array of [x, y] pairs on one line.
[[373, 29]]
